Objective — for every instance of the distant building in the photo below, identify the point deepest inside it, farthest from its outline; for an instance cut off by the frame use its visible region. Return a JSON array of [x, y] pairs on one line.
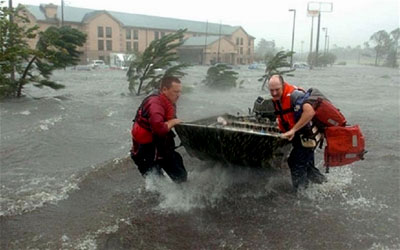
[[110, 33]]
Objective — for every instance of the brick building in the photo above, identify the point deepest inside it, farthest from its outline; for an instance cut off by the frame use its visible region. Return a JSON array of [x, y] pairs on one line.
[[110, 33]]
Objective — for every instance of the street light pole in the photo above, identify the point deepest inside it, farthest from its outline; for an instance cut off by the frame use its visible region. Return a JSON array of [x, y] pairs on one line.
[[327, 45], [326, 37], [311, 43], [317, 44], [294, 25], [318, 7]]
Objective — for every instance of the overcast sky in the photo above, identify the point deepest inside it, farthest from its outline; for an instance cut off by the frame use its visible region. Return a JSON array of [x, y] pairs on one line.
[[351, 22]]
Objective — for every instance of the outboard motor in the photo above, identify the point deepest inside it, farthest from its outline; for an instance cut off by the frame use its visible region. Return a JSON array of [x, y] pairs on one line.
[[264, 108]]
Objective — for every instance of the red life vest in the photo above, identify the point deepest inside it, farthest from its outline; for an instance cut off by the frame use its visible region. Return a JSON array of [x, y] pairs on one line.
[[344, 145], [142, 131], [284, 109]]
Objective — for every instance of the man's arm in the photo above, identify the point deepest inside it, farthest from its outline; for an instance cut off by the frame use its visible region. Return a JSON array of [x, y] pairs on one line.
[[171, 123], [156, 119], [306, 117]]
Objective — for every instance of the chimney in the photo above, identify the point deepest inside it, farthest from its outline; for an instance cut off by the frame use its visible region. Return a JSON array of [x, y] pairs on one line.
[[49, 10]]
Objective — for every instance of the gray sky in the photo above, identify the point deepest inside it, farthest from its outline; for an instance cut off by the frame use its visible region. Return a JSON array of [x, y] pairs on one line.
[[351, 22]]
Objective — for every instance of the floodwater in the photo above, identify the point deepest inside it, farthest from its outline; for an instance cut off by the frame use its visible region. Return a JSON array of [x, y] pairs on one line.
[[67, 181]]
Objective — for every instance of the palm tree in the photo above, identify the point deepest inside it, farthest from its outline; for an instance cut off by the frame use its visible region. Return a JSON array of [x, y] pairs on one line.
[[159, 55], [276, 65]]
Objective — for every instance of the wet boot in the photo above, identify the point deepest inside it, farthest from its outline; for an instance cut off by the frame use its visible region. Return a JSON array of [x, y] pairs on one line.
[[173, 166], [315, 176], [299, 181]]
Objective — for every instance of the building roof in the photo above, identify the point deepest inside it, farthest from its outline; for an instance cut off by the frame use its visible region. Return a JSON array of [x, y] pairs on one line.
[[200, 40], [78, 15]]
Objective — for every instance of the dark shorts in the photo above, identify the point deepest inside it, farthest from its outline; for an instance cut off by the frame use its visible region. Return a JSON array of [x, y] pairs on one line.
[[171, 163]]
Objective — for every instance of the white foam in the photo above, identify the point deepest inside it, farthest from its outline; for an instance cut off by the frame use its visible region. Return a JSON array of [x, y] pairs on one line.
[[111, 113], [88, 242], [205, 186], [338, 180], [46, 124], [379, 246], [265, 189], [35, 193], [338, 185], [364, 203], [26, 112]]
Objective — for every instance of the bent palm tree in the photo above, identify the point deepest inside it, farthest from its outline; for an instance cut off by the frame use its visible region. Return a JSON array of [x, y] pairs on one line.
[[274, 66]]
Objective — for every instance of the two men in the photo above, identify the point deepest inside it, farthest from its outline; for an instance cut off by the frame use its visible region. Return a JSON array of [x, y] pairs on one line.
[[153, 141], [153, 146], [301, 159]]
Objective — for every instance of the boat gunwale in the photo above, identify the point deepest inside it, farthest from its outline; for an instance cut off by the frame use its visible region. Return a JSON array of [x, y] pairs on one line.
[[235, 129]]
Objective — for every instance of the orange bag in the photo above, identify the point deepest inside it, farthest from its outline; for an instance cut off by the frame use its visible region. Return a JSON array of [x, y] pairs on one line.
[[327, 114], [344, 145]]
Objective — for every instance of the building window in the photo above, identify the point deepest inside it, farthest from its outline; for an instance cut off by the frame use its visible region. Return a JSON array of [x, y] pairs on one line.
[[241, 50], [135, 34], [128, 46], [162, 34], [248, 51], [249, 42], [108, 32], [101, 58], [100, 31], [156, 35], [109, 45], [237, 41], [241, 41], [135, 46], [100, 44], [128, 34]]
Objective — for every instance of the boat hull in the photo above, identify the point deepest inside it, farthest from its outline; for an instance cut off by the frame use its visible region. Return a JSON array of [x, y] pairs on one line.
[[237, 141]]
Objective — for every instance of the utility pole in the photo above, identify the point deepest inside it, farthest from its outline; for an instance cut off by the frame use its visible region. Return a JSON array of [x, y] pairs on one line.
[[294, 24], [11, 38], [219, 41], [62, 13], [205, 46]]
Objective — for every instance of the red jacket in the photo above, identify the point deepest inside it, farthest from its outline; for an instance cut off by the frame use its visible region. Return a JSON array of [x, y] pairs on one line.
[[150, 119], [284, 109]]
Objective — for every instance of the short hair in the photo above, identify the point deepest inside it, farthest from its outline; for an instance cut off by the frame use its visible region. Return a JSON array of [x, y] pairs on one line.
[[280, 78], [167, 81]]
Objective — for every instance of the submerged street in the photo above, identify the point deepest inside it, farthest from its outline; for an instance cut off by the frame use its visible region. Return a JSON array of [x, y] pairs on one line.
[[67, 181]]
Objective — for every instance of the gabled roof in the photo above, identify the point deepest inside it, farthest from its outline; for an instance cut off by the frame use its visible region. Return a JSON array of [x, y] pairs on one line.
[[78, 15], [200, 40], [93, 14], [241, 28]]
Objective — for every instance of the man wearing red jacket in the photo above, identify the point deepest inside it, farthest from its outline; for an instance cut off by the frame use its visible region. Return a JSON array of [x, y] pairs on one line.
[[301, 159], [153, 142]]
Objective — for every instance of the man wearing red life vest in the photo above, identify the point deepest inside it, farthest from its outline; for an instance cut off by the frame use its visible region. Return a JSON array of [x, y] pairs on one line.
[[301, 159], [153, 146]]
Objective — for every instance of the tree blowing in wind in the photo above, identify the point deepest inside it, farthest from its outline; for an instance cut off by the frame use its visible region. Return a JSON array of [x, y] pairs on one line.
[[160, 54]]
